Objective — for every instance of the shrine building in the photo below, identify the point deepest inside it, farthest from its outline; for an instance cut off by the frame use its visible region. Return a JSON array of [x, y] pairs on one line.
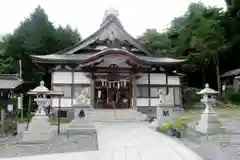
[[115, 69]]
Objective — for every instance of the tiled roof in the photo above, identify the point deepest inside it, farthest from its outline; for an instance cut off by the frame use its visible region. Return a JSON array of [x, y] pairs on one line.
[[58, 58], [9, 81], [233, 72]]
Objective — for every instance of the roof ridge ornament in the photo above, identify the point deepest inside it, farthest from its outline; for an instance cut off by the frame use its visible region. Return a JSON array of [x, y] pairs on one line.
[[110, 11]]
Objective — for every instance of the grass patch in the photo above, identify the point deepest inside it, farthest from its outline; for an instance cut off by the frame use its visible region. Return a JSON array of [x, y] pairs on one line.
[[55, 122], [24, 120], [179, 124], [225, 116]]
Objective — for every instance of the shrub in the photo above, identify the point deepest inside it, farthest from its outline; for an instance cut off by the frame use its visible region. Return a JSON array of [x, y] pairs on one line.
[[165, 127], [179, 124], [190, 95], [232, 96]]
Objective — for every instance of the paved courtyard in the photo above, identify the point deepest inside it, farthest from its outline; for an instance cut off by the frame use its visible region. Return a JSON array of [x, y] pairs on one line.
[[223, 146]]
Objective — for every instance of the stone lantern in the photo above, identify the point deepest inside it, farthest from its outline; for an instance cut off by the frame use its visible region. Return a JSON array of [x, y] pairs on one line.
[[39, 129], [209, 123]]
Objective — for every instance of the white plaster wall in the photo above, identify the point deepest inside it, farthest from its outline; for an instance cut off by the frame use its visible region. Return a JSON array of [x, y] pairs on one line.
[[157, 78], [61, 77], [143, 79], [154, 101], [178, 97], [65, 102], [80, 78], [142, 101], [174, 80], [88, 101]]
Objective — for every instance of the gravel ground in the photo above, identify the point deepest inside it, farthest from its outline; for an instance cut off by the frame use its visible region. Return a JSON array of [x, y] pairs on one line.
[[58, 144], [221, 146], [216, 147], [12, 146]]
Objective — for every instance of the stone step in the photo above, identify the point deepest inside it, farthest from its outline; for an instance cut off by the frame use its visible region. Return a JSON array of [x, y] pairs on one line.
[[100, 115]]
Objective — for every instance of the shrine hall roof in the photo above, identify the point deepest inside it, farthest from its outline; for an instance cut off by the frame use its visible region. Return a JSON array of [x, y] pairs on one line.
[[72, 58], [111, 36]]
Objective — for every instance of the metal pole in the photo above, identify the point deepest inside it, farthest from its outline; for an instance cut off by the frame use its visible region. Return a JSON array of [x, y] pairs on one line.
[[59, 106], [28, 112], [21, 95]]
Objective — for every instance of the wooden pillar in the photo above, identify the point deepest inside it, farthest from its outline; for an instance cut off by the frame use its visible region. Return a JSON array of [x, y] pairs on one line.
[[59, 106], [149, 89], [72, 88], [92, 89], [29, 111], [181, 91], [2, 123], [134, 89], [174, 96]]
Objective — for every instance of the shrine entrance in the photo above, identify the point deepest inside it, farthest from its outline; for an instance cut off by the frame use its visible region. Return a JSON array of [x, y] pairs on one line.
[[113, 93]]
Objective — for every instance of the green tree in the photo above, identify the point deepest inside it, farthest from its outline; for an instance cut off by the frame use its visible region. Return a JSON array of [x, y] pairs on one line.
[[5, 61], [37, 35], [197, 35]]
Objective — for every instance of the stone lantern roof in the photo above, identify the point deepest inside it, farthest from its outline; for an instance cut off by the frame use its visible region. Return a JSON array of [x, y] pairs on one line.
[[41, 88], [207, 90]]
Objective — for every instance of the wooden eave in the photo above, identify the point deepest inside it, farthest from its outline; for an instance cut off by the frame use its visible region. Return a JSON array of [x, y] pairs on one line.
[[78, 59]]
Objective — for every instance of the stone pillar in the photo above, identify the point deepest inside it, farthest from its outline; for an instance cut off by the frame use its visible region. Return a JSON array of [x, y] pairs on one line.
[[164, 114]]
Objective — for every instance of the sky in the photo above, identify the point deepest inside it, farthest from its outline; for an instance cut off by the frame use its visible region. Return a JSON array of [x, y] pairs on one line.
[[86, 15]]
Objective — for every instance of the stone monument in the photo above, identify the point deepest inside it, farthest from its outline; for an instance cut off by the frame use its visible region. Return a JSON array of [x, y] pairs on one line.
[[164, 113], [39, 129], [209, 122], [82, 123]]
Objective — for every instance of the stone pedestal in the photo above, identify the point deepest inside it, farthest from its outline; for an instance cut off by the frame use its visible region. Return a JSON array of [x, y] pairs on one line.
[[164, 114], [82, 124], [209, 122], [39, 130]]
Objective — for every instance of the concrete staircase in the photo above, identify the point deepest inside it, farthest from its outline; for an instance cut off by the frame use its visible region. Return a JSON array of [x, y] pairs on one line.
[[121, 115]]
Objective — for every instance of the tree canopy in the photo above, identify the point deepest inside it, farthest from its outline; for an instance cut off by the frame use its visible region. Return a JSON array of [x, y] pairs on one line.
[[35, 35], [207, 36]]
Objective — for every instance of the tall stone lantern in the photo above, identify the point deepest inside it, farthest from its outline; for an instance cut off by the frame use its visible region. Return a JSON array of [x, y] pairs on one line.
[[39, 129], [209, 122]]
